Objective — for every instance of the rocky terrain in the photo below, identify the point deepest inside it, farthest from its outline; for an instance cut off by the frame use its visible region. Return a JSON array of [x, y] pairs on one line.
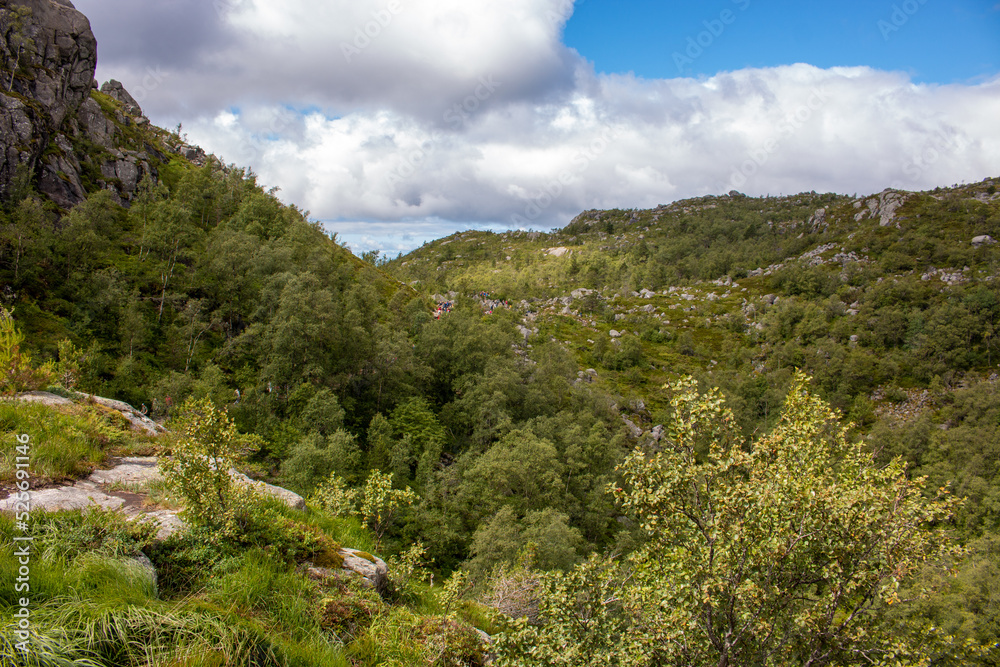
[[58, 128], [126, 486]]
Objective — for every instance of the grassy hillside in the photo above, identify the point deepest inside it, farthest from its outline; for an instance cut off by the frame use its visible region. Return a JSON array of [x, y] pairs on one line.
[[890, 302], [504, 377]]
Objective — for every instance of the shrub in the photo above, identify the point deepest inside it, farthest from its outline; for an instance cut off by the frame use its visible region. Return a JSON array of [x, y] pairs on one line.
[[199, 469], [16, 372]]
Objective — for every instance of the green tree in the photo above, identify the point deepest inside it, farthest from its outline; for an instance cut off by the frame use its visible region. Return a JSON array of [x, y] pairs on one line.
[[16, 371], [783, 551], [380, 503], [200, 463]]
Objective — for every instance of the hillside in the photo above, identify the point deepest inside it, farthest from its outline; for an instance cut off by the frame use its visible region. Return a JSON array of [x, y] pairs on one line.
[[480, 413], [889, 302], [733, 284]]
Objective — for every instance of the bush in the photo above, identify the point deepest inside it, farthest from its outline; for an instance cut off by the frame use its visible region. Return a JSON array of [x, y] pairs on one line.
[[16, 372], [779, 551], [199, 469]]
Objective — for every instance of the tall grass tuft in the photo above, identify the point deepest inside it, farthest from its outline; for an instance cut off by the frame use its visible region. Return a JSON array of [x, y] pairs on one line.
[[134, 636], [256, 582], [65, 442], [45, 651]]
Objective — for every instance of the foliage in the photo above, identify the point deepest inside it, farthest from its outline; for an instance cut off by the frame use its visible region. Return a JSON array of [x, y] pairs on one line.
[[208, 287], [16, 371], [380, 502], [334, 496], [777, 552], [377, 503], [66, 442], [407, 569], [200, 463], [69, 535]]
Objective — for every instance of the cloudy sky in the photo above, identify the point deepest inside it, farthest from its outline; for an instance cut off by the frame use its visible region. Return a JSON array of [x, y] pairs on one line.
[[400, 121]]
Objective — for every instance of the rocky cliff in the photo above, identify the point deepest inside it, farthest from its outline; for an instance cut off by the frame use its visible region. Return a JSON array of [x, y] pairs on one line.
[[57, 130]]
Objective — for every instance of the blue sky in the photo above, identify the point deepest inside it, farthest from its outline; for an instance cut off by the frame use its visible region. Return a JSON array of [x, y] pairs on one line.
[[936, 41], [399, 121]]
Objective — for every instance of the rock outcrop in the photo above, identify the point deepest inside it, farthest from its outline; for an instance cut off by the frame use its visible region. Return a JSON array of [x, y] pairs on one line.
[[371, 571], [53, 130], [49, 54], [139, 421], [882, 207]]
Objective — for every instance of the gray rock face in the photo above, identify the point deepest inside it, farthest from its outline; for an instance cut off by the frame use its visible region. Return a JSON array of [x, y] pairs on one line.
[[52, 55], [985, 239], [882, 206], [49, 111], [115, 90]]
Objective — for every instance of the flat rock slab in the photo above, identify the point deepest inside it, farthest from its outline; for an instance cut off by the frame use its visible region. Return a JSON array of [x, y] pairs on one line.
[[136, 472], [81, 495], [43, 397]]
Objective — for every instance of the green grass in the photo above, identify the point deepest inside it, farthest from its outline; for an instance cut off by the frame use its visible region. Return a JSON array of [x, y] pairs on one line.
[[64, 444], [256, 582], [344, 530]]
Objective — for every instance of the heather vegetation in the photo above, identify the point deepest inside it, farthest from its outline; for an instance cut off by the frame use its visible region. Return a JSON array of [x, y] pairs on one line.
[[524, 457]]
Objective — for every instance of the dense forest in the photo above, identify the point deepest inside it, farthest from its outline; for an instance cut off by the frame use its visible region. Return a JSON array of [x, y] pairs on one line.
[[207, 287], [727, 430], [595, 436]]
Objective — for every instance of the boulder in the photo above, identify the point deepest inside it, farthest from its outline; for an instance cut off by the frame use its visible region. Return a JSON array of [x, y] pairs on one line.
[[169, 522], [143, 568], [115, 90], [985, 239], [371, 571], [633, 430]]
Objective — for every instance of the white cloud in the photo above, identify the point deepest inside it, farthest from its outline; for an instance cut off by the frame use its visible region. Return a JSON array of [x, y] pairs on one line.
[[638, 143], [461, 112]]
